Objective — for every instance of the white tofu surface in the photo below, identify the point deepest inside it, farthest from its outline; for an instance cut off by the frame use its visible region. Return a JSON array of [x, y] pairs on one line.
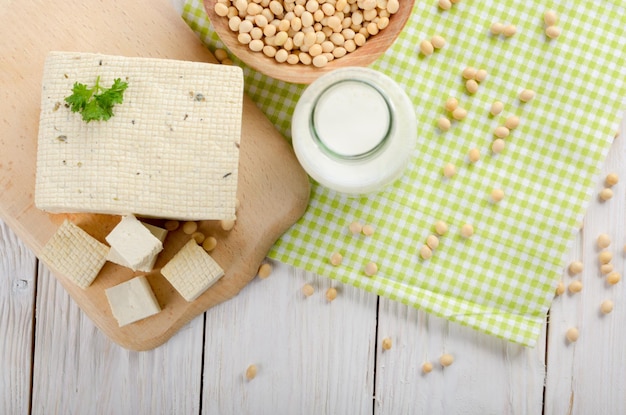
[[132, 301], [118, 258], [192, 271], [75, 254], [134, 243], [171, 150]]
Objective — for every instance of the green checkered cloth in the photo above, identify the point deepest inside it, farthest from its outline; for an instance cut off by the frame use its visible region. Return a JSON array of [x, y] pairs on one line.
[[501, 280]]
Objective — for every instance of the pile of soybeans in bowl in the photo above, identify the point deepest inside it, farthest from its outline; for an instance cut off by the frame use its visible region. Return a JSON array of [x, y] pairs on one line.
[[310, 32]]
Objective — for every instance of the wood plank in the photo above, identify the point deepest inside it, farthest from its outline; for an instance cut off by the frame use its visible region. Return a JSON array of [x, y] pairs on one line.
[[312, 356], [78, 370], [272, 187], [588, 376], [17, 296], [488, 376]]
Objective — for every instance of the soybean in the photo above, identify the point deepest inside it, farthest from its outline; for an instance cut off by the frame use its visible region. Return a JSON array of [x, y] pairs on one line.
[[467, 230], [441, 227], [251, 371], [446, 359], [355, 228], [445, 4], [572, 334], [308, 290], [560, 288], [444, 124], [526, 95], [459, 114], [451, 104], [605, 257], [575, 287], [501, 132], [426, 47], [481, 75], [474, 155], [190, 227], [496, 108], [550, 18], [512, 122], [576, 267], [227, 224], [469, 72], [497, 146], [553, 32], [606, 307], [386, 343], [427, 367], [438, 42], [611, 179], [509, 30], [496, 28], [449, 170], [606, 194], [336, 259], [606, 269], [432, 241], [371, 269], [603, 241], [497, 195], [209, 243], [368, 230], [613, 278], [426, 252], [265, 270], [471, 85], [171, 225]]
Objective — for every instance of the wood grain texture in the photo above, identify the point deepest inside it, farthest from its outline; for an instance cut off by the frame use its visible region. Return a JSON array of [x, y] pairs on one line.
[[489, 375], [587, 377], [78, 370], [17, 296], [313, 356], [273, 188], [305, 74]]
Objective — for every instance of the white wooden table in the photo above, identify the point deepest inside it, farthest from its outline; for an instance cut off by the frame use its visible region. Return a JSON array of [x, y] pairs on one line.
[[316, 357]]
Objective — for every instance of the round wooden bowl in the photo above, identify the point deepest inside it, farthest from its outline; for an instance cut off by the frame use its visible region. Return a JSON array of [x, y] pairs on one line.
[[305, 74]]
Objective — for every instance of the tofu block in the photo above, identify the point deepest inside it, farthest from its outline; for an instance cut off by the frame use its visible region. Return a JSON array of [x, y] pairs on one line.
[[192, 271], [118, 258], [132, 301], [75, 254], [134, 243], [171, 149]]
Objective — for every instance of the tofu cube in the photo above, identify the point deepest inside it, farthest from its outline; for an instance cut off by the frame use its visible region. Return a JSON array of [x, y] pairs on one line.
[[75, 254], [132, 301], [117, 258], [192, 271], [134, 243]]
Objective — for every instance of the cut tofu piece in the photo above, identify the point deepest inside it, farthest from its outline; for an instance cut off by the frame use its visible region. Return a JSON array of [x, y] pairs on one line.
[[171, 149], [75, 254], [132, 301], [192, 271], [134, 243], [118, 258]]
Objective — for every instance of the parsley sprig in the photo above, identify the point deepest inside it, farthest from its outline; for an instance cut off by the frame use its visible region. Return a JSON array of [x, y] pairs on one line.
[[95, 104]]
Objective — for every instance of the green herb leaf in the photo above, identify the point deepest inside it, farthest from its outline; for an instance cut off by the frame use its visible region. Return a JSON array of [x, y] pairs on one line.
[[96, 104]]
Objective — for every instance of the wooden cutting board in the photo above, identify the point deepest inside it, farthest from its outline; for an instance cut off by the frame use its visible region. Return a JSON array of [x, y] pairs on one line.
[[273, 189]]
